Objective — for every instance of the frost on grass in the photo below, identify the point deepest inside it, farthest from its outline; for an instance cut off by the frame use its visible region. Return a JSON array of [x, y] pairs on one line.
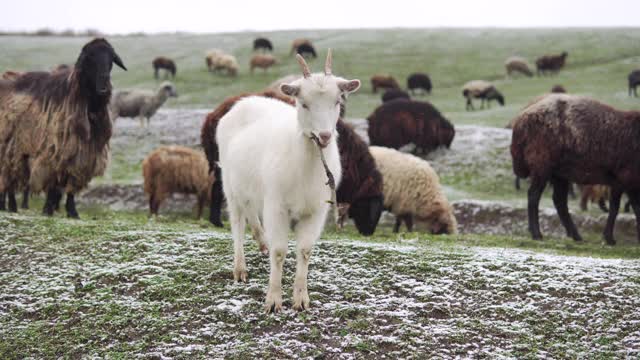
[[154, 291]]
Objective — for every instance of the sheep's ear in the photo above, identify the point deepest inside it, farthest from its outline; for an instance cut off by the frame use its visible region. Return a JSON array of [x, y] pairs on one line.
[[291, 90], [349, 86]]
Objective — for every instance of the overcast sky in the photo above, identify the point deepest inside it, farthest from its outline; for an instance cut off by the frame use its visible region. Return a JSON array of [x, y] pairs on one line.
[[205, 16]]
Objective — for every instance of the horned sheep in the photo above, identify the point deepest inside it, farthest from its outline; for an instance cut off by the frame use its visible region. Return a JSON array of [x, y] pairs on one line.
[[268, 146], [142, 104], [176, 169], [412, 189], [483, 90], [55, 127], [564, 138]]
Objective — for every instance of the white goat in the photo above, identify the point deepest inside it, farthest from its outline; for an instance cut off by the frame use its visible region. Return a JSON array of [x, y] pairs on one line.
[[272, 171]]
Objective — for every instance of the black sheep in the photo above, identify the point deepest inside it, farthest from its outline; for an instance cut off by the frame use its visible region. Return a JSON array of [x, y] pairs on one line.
[[306, 50], [262, 44], [419, 81], [392, 94], [634, 81]]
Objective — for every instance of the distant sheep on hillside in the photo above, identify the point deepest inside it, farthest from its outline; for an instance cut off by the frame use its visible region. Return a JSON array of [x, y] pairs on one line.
[[262, 61], [166, 64], [480, 89], [551, 63], [262, 44], [519, 65], [634, 81], [419, 81], [383, 82], [142, 104]]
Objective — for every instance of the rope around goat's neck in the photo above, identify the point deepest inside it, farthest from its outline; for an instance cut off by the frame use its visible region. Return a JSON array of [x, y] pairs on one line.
[[330, 179]]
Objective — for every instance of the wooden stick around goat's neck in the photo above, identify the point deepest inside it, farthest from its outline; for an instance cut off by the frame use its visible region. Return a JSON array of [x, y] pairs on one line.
[[330, 181]]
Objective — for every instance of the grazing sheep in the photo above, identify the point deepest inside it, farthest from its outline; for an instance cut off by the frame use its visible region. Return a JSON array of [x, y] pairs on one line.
[[361, 185], [412, 189], [211, 58], [296, 43], [393, 94], [285, 173], [262, 61], [176, 169], [550, 63], [594, 193], [519, 65], [262, 44], [55, 127], [166, 64], [483, 90], [227, 63], [419, 81], [564, 138], [399, 122], [558, 89], [634, 81], [142, 104], [306, 50], [383, 82]]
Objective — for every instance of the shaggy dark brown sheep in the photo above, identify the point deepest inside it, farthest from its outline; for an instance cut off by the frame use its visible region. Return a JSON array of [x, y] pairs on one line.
[[262, 44], [392, 94], [383, 82], [634, 81], [164, 63], [399, 122], [56, 133], [419, 81], [563, 138], [176, 169], [550, 63], [361, 185]]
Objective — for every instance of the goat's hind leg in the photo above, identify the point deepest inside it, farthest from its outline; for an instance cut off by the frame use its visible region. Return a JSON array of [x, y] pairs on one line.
[[237, 220], [560, 194], [307, 231], [257, 232]]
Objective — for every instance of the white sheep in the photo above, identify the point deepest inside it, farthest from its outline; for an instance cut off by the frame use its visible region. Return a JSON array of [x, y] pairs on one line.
[[211, 56], [140, 103], [412, 188], [518, 64], [266, 146], [218, 60]]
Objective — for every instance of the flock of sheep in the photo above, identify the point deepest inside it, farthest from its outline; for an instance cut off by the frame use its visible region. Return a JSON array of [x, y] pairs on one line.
[[55, 129]]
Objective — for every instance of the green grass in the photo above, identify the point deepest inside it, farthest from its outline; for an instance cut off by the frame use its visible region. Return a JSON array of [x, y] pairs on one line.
[[599, 61]]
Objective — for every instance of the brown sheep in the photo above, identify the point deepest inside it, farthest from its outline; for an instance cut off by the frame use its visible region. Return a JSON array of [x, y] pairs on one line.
[[594, 193], [262, 61], [297, 42], [558, 89], [483, 90], [176, 169], [517, 64], [165, 63], [565, 138], [383, 82], [55, 127], [550, 63]]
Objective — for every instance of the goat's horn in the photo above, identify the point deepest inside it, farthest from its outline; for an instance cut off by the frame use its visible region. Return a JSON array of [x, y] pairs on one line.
[[303, 64], [328, 63]]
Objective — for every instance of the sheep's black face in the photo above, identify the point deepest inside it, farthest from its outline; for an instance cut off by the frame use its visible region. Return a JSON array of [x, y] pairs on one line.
[[500, 99], [366, 214], [95, 63]]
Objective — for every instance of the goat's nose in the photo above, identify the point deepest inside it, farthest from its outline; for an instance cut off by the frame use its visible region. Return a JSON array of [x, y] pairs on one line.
[[325, 136]]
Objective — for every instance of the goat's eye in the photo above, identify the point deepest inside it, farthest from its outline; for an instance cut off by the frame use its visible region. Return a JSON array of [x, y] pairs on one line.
[[304, 106]]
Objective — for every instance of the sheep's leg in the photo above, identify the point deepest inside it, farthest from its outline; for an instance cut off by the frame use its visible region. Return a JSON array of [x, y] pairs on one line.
[[3, 200], [52, 201], [602, 204], [517, 183], [307, 231], [560, 196], [535, 192], [153, 205], [584, 199], [572, 192], [408, 220], [13, 204], [396, 227], [614, 207], [70, 206], [276, 223], [634, 200], [141, 119], [201, 201], [237, 220], [627, 206], [25, 199]]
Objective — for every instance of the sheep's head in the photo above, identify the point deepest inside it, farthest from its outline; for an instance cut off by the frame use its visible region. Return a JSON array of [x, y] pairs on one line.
[[94, 65], [169, 89], [498, 96], [442, 220], [318, 99], [366, 214]]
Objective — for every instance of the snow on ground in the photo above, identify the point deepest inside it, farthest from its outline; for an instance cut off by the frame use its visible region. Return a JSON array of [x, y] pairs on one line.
[[154, 292]]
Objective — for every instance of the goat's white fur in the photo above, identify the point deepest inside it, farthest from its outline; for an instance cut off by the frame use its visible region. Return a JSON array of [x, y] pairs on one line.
[[271, 170]]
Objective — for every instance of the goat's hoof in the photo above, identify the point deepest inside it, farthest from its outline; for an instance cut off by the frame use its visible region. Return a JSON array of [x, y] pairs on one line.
[[240, 275], [301, 304], [273, 306]]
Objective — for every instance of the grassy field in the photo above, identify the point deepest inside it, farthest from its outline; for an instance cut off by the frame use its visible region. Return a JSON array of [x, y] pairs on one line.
[[119, 285]]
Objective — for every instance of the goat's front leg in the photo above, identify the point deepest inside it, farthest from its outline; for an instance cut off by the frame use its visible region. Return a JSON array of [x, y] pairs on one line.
[[307, 231], [276, 224]]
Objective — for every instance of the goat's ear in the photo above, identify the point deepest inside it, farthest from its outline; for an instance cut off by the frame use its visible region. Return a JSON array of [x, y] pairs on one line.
[[349, 86], [291, 90], [117, 60]]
